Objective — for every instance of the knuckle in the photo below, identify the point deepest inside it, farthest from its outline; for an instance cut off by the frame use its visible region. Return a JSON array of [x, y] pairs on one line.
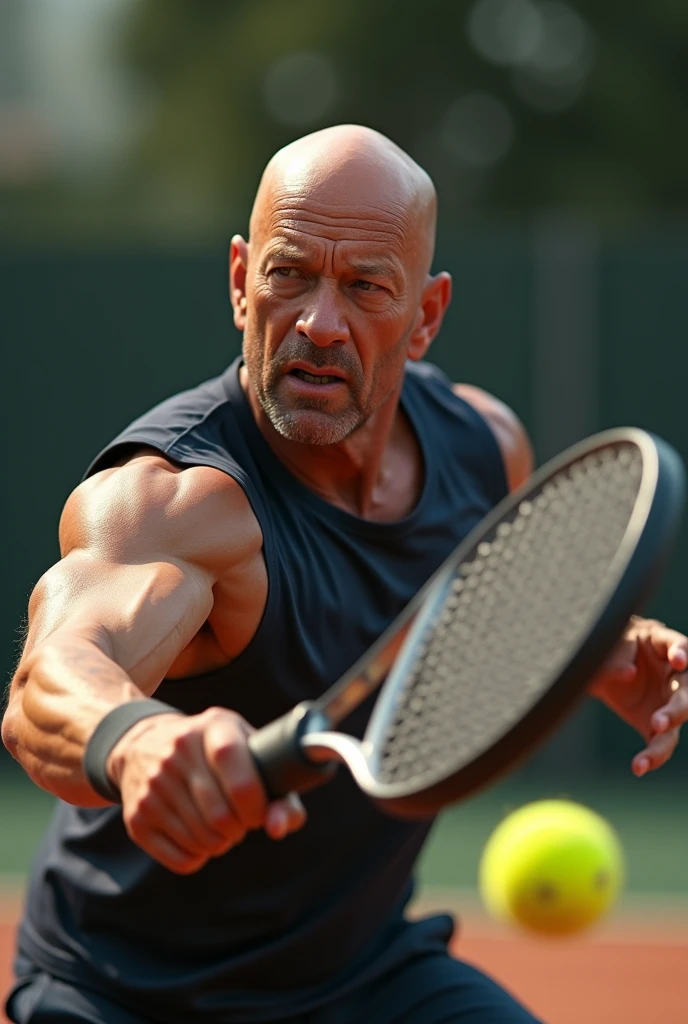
[[222, 821], [167, 763], [181, 744], [227, 741], [223, 717], [157, 783]]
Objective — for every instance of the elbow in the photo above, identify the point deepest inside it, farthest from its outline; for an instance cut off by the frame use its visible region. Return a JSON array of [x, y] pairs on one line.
[[8, 731], [41, 739]]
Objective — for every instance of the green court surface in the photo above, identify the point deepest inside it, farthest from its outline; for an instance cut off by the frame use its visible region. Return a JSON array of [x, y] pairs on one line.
[[649, 818]]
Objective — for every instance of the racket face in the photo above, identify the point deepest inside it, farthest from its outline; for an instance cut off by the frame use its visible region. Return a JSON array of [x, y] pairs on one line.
[[512, 632]]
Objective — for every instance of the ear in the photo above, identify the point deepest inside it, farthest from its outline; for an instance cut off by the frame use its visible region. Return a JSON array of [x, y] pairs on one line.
[[238, 263], [433, 305]]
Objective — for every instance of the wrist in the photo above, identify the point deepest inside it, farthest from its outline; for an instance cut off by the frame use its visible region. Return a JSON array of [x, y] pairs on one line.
[[117, 758], [103, 763]]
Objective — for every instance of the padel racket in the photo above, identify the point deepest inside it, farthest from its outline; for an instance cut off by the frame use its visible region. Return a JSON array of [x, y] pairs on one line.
[[500, 644]]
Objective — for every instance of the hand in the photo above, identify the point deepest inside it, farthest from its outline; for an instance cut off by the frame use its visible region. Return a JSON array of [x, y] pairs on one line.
[[190, 789], [646, 683]]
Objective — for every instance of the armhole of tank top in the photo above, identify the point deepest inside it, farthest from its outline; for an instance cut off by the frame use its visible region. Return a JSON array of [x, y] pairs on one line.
[[239, 475], [236, 473], [496, 478]]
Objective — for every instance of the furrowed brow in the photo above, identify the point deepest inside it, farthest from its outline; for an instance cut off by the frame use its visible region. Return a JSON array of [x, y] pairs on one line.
[[377, 268], [286, 253]]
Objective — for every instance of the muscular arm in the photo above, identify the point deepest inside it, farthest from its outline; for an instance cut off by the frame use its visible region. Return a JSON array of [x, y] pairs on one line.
[[143, 545]]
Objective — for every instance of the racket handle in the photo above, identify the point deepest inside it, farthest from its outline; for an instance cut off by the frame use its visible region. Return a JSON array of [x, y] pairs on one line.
[[280, 759]]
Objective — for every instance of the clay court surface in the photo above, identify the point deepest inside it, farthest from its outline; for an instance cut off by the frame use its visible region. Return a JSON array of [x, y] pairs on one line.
[[632, 971]]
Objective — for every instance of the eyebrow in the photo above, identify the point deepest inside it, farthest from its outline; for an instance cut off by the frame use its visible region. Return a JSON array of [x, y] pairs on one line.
[[296, 256], [377, 268], [289, 254]]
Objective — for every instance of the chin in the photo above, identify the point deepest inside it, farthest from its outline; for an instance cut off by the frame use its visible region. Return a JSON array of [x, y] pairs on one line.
[[307, 427]]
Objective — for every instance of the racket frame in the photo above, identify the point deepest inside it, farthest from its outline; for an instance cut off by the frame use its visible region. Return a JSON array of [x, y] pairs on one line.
[[637, 566]]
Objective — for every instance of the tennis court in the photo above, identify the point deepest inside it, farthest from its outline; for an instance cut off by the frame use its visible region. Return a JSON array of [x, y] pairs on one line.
[[631, 970], [630, 973]]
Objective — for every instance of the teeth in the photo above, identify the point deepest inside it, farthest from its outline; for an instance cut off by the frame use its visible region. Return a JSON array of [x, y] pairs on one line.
[[311, 379]]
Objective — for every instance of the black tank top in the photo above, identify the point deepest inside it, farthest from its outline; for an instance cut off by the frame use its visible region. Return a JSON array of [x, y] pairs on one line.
[[270, 929]]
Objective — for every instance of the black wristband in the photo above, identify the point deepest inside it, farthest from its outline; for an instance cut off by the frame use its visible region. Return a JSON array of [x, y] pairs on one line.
[[108, 731]]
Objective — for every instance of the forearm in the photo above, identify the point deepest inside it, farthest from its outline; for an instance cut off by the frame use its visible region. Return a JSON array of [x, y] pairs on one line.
[[60, 693]]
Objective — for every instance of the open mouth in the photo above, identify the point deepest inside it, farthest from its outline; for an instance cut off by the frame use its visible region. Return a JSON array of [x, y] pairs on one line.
[[312, 378]]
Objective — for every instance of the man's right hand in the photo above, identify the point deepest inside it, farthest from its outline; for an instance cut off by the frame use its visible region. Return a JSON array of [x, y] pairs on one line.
[[190, 789]]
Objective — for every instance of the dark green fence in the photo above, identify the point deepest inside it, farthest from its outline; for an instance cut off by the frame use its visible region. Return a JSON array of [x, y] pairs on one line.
[[574, 330]]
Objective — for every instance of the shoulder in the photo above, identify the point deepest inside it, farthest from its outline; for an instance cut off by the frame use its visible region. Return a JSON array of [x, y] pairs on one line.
[[510, 434], [188, 419], [146, 504]]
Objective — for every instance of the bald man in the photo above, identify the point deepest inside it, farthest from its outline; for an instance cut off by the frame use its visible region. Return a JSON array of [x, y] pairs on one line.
[[233, 552]]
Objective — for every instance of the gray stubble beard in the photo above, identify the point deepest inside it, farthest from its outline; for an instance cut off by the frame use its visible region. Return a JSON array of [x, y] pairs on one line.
[[289, 422]]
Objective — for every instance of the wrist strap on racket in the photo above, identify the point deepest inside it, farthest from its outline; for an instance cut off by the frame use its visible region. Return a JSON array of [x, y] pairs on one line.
[[108, 732]]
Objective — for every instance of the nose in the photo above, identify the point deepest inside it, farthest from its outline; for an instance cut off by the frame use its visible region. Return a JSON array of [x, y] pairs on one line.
[[323, 322]]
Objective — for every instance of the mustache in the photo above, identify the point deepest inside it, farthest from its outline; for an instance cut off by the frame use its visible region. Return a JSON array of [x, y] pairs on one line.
[[293, 349]]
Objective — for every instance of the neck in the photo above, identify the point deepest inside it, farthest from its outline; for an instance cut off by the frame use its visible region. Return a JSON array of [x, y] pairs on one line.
[[356, 474]]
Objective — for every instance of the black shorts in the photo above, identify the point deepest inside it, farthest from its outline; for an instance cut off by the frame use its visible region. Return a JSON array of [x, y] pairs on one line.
[[431, 989]]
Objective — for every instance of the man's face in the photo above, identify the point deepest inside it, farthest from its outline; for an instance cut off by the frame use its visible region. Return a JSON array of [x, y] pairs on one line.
[[332, 296]]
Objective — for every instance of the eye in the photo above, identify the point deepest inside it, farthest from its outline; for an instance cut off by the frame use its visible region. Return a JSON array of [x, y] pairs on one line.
[[286, 272], [368, 286]]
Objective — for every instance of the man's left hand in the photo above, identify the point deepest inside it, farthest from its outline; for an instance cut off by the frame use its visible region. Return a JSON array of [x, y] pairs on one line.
[[645, 681]]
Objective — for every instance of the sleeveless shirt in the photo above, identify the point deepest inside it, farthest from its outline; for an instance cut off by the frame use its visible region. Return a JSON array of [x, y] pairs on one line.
[[270, 929]]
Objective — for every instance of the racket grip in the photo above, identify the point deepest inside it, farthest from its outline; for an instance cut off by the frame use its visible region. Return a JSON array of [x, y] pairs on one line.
[[280, 759]]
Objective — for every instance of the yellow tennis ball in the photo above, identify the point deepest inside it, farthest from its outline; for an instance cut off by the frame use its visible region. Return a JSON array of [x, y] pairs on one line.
[[552, 867]]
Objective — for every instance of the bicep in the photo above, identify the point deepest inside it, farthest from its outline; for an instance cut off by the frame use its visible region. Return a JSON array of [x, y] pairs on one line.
[[143, 546]]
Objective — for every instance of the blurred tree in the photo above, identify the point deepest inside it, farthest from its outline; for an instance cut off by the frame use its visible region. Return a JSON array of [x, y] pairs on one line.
[[511, 104]]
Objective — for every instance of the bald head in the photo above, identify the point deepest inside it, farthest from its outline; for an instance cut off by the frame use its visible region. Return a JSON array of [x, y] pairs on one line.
[[333, 291], [349, 168]]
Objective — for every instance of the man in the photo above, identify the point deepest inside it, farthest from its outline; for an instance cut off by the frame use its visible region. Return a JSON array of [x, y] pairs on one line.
[[233, 552]]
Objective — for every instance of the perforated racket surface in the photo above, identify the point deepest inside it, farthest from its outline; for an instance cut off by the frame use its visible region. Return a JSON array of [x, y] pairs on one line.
[[502, 641]]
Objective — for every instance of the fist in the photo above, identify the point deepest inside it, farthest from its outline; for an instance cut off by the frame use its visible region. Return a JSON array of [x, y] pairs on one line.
[[190, 789]]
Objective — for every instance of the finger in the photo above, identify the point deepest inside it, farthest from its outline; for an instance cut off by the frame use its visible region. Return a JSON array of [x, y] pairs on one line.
[[666, 642], [166, 852], [657, 752], [188, 826], [622, 656], [152, 816], [678, 655], [230, 760], [285, 816], [613, 673], [170, 811], [675, 711], [213, 807]]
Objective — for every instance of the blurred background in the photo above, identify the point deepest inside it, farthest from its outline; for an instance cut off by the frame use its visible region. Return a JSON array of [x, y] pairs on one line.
[[132, 137]]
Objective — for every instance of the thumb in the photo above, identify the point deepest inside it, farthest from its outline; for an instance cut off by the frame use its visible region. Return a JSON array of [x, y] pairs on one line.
[[285, 816]]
